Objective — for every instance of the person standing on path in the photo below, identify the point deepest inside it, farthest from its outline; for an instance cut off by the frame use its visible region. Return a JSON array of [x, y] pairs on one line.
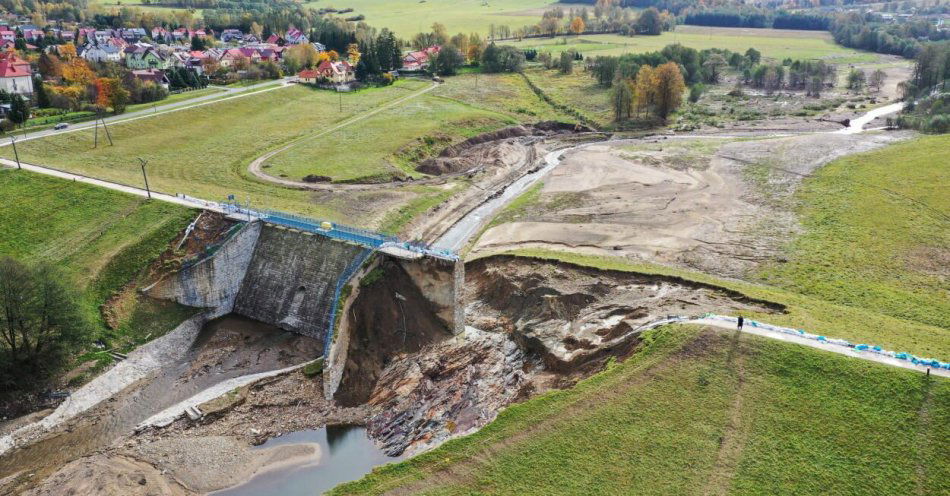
[[741, 320]]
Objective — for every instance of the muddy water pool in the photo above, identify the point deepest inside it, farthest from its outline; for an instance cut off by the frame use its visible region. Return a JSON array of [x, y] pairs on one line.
[[345, 454]]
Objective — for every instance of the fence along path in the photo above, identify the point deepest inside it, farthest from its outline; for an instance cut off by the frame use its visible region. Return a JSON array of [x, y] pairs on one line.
[[799, 336]]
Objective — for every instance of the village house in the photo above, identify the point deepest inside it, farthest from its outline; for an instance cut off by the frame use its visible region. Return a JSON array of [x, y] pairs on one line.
[[16, 76], [144, 57], [419, 61], [151, 75], [101, 53], [308, 76], [295, 36], [229, 35], [7, 35], [336, 72]]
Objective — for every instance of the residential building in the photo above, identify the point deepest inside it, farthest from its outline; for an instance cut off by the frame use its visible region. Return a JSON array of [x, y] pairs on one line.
[[308, 76], [295, 36], [101, 53], [419, 61], [152, 75], [16, 76], [336, 72], [7, 35], [229, 35], [144, 57]]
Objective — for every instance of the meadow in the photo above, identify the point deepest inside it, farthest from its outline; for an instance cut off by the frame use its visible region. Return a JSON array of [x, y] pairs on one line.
[[408, 17], [698, 411], [773, 43], [100, 239], [386, 140], [205, 151], [894, 261]]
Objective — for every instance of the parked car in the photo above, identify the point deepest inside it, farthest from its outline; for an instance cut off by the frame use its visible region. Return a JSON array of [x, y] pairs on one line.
[[60, 126]]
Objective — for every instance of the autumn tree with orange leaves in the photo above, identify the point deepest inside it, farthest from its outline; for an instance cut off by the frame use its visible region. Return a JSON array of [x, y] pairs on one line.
[[577, 25]]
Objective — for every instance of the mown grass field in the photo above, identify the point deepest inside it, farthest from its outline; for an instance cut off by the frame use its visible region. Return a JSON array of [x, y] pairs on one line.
[[703, 412], [205, 151], [381, 145], [408, 17], [98, 238], [773, 43]]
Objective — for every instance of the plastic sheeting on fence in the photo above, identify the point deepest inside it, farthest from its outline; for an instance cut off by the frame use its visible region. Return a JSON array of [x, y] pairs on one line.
[[866, 348]]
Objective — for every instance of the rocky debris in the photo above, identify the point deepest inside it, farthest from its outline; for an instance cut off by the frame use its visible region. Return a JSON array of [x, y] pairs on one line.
[[574, 317], [389, 316], [287, 403], [493, 155], [446, 390], [313, 178]]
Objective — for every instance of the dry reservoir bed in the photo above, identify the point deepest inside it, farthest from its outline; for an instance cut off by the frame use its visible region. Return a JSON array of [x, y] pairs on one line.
[[716, 204]]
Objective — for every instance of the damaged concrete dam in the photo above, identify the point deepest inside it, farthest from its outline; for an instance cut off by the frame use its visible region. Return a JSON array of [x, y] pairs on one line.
[[418, 351]]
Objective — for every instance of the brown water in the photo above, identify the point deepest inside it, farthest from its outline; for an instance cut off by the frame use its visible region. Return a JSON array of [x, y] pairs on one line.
[[346, 454], [228, 347]]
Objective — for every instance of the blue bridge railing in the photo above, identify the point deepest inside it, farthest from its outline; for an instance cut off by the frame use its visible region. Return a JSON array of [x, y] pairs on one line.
[[363, 237]]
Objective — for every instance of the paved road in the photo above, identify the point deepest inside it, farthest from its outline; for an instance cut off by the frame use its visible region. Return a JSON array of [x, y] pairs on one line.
[[228, 94]]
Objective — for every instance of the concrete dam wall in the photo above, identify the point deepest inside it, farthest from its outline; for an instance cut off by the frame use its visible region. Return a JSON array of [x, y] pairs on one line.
[[215, 281], [292, 278]]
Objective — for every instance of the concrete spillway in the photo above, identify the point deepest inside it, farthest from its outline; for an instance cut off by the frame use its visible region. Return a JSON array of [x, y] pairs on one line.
[[291, 280]]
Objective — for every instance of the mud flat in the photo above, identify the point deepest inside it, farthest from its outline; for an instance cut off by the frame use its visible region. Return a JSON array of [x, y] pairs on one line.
[[225, 348], [719, 205]]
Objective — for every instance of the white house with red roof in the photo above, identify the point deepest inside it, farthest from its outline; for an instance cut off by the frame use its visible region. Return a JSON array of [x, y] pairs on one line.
[[16, 76], [419, 61], [7, 35], [295, 36], [336, 72]]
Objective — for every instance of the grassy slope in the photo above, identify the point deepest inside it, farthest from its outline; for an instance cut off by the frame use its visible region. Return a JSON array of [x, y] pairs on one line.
[[504, 93], [703, 411], [893, 261], [101, 239], [408, 17], [380, 137], [577, 90], [773, 43], [205, 151]]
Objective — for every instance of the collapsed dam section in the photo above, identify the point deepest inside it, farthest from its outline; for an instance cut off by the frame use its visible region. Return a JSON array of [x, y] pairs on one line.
[[301, 281]]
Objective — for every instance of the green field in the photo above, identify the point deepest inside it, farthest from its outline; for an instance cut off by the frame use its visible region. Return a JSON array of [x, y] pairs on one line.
[[703, 412], [894, 261], [504, 93], [577, 90], [108, 5], [205, 151], [100, 239], [408, 17], [386, 141], [773, 43]]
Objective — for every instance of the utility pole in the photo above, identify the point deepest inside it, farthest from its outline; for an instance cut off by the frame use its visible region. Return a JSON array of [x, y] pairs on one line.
[[147, 190], [108, 134], [95, 142], [17, 155]]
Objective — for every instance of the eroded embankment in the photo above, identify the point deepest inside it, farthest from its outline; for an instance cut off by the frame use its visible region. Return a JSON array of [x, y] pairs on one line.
[[532, 325]]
